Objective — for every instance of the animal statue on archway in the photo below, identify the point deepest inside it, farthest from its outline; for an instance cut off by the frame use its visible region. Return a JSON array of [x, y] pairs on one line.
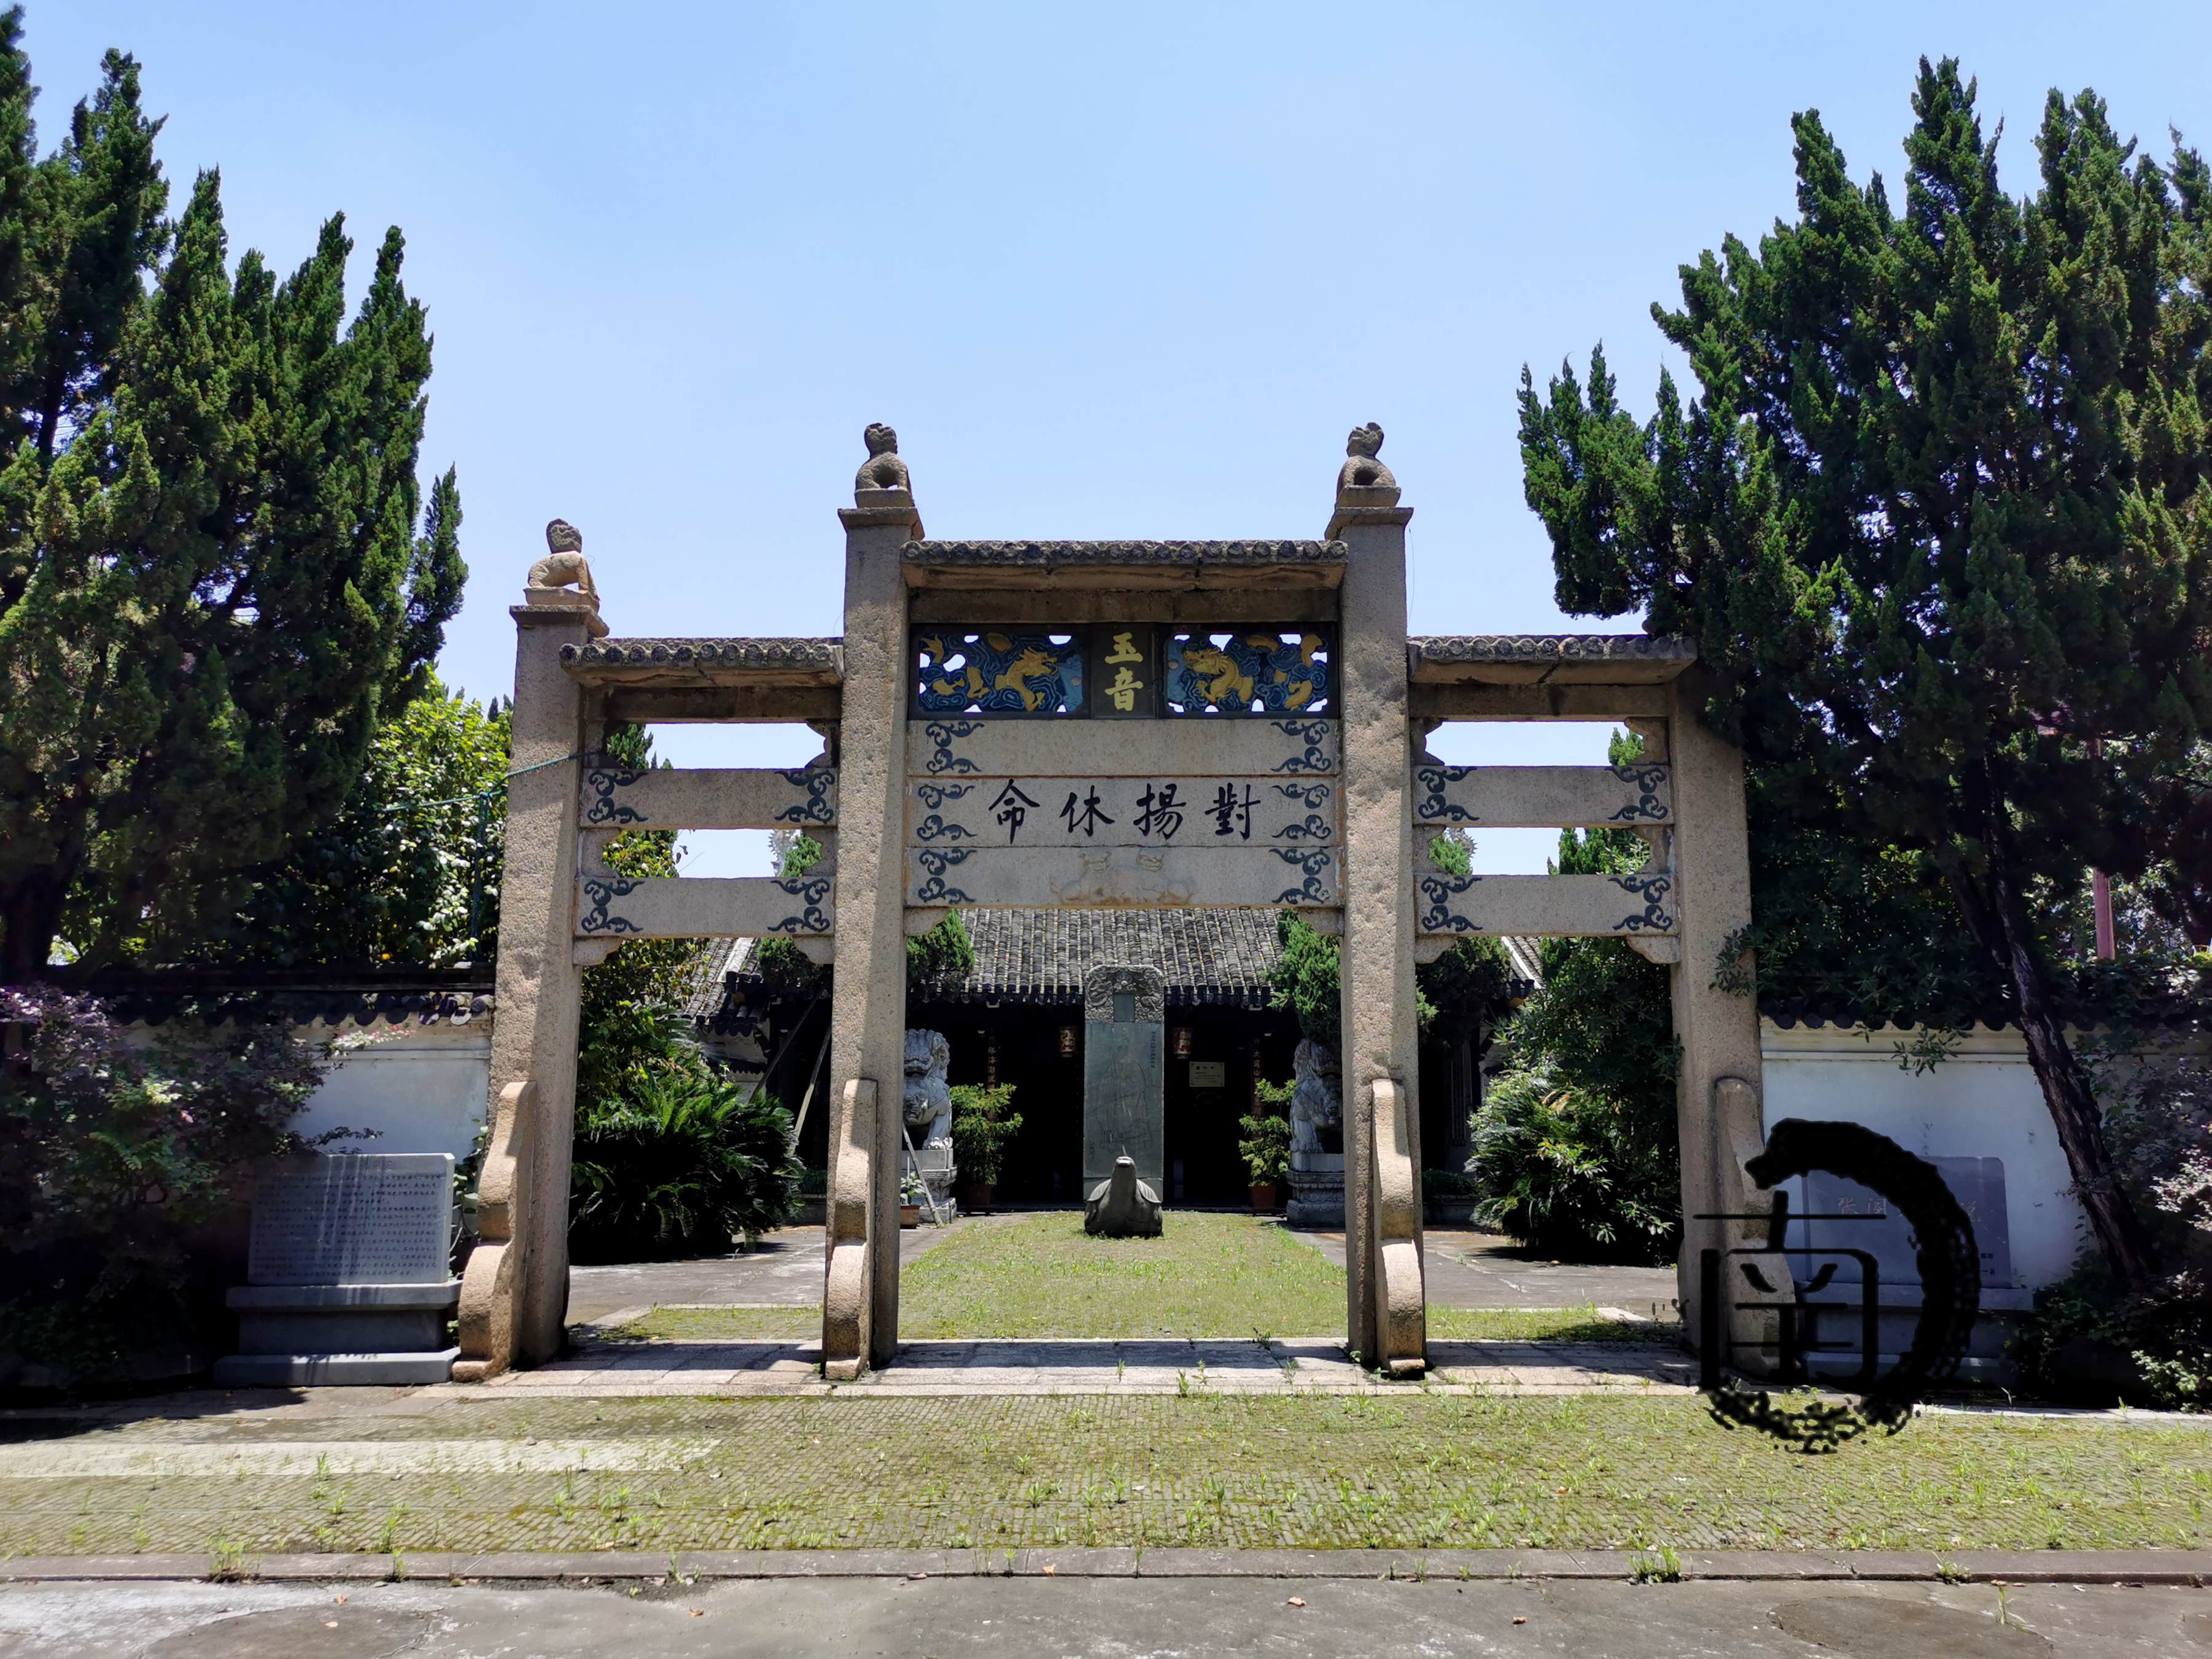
[[563, 565]]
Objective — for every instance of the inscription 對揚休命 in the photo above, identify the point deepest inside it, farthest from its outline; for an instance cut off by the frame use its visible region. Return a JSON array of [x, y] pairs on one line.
[[354, 1218]]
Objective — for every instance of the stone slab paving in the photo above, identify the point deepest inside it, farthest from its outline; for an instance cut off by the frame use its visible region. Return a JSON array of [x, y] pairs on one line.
[[1076, 1366], [1101, 1617], [785, 1270], [1462, 1268], [2190, 1569]]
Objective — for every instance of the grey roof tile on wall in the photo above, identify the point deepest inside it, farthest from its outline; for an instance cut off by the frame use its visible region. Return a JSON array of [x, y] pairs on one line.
[[1206, 956], [1219, 957]]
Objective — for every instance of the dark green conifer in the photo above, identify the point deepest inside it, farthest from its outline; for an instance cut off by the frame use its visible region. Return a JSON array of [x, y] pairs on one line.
[[1940, 511], [212, 579]]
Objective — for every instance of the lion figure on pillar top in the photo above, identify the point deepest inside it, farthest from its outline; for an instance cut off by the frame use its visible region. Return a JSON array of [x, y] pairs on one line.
[[1362, 469], [928, 1099], [883, 469], [563, 565]]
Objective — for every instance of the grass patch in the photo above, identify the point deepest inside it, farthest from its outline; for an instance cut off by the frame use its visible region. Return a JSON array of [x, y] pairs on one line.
[[1209, 1276], [1406, 1471], [1042, 1275], [1581, 1324]]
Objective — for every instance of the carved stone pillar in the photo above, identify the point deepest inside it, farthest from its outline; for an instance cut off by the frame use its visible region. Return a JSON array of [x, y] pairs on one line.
[[514, 1291], [1718, 1095], [867, 1015], [1387, 1322]]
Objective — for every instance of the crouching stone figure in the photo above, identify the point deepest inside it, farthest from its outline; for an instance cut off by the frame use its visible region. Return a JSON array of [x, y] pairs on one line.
[[1121, 1206], [927, 1102]]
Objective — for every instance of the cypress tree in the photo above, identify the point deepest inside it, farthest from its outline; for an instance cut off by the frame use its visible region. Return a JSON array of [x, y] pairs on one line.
[[1939, 513], [212, 580]]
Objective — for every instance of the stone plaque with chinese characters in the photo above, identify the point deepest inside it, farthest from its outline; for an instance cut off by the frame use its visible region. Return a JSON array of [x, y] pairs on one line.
[[354, 1218], [1043, 815], [1124, 676]]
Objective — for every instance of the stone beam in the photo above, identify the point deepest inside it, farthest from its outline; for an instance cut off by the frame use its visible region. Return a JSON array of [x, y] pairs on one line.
[[665, 797], [1507, 659], [1123, 878], [1280, 600], [955, 747], [678, 705], [1541, 797], [1538, 702], [612, 906], [1548, 906], [1187, 814]]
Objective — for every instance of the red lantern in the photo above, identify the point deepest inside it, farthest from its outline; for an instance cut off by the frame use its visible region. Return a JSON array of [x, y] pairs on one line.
[[1180, 1037]]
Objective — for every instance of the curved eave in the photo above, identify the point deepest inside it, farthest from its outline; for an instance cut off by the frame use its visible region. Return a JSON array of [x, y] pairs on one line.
[[1524, 659], [1190, 565]]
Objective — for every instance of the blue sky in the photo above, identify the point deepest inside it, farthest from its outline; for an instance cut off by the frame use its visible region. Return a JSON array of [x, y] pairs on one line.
[[1110, 270]]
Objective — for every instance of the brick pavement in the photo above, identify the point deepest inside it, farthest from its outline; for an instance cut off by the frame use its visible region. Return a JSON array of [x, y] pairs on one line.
[[1076, 1366]]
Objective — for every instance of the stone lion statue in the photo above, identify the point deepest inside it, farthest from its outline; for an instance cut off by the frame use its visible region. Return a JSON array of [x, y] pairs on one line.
[[1316, 1096], [883, 470], [563, 565], [1362, 470], [927, 1099]]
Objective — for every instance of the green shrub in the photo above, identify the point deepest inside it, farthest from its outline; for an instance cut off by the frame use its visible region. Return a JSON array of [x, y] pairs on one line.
[[1566, 1172], [1305, 978], [981, 1126], [684, 1160], [946, 951], [1266, 1147], [118, 1162], [2158, 1119]]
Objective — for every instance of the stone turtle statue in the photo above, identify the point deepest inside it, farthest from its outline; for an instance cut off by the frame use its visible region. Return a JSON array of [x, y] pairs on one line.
[[1121, 1206], [927, 1101]]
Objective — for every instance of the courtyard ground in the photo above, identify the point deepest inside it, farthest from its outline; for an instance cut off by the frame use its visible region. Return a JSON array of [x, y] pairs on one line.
[[1464, 1269], [505, 1470], [1134, 1396], [1089, 1617]]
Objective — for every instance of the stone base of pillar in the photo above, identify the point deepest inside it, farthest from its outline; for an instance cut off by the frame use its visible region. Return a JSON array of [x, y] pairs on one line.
[[1316, 1189]]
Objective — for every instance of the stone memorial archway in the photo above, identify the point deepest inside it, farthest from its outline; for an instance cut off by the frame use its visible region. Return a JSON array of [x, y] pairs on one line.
[[1041, 724]]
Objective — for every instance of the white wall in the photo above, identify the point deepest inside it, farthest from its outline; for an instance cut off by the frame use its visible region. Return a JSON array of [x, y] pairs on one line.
[[423, 1089], [1983, 1102]]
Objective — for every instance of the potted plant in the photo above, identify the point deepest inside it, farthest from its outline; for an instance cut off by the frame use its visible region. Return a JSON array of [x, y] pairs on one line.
[[1266, 1146], [981, 1126], [910, 1200]]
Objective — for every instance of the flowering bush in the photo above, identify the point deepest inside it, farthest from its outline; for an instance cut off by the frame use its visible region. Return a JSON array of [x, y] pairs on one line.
[[116, 1160]]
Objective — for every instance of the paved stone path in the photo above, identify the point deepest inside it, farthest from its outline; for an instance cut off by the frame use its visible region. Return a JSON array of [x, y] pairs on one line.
[[1467, 1269], [1464, 1269], [974, 1618], [1074, 1366], [785, 1270]]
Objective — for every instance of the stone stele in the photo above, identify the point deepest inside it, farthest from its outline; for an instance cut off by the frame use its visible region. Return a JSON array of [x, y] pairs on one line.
[[349, 1274]]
